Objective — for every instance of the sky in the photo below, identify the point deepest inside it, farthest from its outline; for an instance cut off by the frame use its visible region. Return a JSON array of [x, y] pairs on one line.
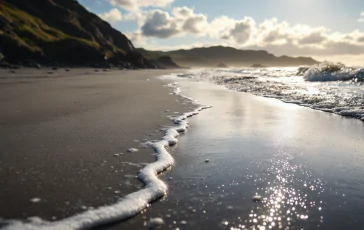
[[331, 30]]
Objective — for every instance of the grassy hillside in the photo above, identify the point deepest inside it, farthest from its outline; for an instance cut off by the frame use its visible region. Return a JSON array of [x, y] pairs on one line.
[[61, 31]]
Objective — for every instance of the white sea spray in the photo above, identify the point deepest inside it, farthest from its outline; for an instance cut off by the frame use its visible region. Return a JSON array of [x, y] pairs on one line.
[[329, 87]]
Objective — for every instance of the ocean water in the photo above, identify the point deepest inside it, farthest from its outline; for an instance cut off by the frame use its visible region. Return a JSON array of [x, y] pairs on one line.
[[328, 87], [307, 166]]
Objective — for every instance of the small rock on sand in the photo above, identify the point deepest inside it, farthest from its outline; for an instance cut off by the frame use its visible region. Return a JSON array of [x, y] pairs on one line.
[[35, 200], [207, 160], [257, 198], [155, 223], [132, 150]]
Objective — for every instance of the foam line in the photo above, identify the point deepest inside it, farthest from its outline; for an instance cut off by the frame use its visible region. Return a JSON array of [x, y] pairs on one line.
[[129, 205]]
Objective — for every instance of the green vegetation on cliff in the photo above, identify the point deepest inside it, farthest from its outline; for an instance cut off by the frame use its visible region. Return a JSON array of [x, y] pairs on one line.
[[61, 31]]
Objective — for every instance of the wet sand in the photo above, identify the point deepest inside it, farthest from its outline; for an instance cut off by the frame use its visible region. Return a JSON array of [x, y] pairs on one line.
[[60, 131], [306, 165]]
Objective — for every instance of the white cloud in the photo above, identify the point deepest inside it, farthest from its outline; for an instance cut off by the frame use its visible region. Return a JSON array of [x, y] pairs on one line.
[[159, 24], [194, 25], [190, 22], [130, 5], [112, 16], [273, 35], [155, 3], [136, 5], [153, 46], [220, 26], [182, 12], [361, 18], [241, 32], [272, 31], [314, 37]]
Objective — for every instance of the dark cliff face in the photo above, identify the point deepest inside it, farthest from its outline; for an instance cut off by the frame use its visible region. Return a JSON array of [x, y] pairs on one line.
[[62, 31]]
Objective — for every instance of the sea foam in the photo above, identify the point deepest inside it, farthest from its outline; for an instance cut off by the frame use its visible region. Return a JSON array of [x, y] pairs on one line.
[[328, 71], [129, 205], [329, 87]]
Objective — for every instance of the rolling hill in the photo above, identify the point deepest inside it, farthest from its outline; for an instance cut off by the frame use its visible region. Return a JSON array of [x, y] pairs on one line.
[[212, 56]]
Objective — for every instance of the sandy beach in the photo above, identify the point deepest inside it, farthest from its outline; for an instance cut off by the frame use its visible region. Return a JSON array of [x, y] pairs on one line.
[[60, 132], [59, 137]]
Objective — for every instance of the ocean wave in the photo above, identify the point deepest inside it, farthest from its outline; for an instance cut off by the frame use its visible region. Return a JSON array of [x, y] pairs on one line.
[[345, 98], [327, 71], [129, 205]]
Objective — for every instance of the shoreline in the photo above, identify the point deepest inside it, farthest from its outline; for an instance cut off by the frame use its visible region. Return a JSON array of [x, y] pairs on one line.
[[263, 146], [164, 105]]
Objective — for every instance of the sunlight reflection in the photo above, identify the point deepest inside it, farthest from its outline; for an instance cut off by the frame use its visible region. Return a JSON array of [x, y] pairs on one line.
[[287, 199]]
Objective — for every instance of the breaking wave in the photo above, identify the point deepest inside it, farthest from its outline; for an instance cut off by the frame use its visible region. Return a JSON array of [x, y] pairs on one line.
[[327, 71], [328, 87]]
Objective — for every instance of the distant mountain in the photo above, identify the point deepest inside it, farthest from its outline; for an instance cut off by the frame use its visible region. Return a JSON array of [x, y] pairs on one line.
[[55, 32], [212, 56], [163, 61], [222, 65], [257, 66]]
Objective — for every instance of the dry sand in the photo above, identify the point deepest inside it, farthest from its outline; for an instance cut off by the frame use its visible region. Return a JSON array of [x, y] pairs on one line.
[[59, 131]]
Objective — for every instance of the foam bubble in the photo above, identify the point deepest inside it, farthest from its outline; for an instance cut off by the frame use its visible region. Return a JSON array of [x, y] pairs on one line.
[[132, 150], [155, 223], [257, 198], [35, 200]]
